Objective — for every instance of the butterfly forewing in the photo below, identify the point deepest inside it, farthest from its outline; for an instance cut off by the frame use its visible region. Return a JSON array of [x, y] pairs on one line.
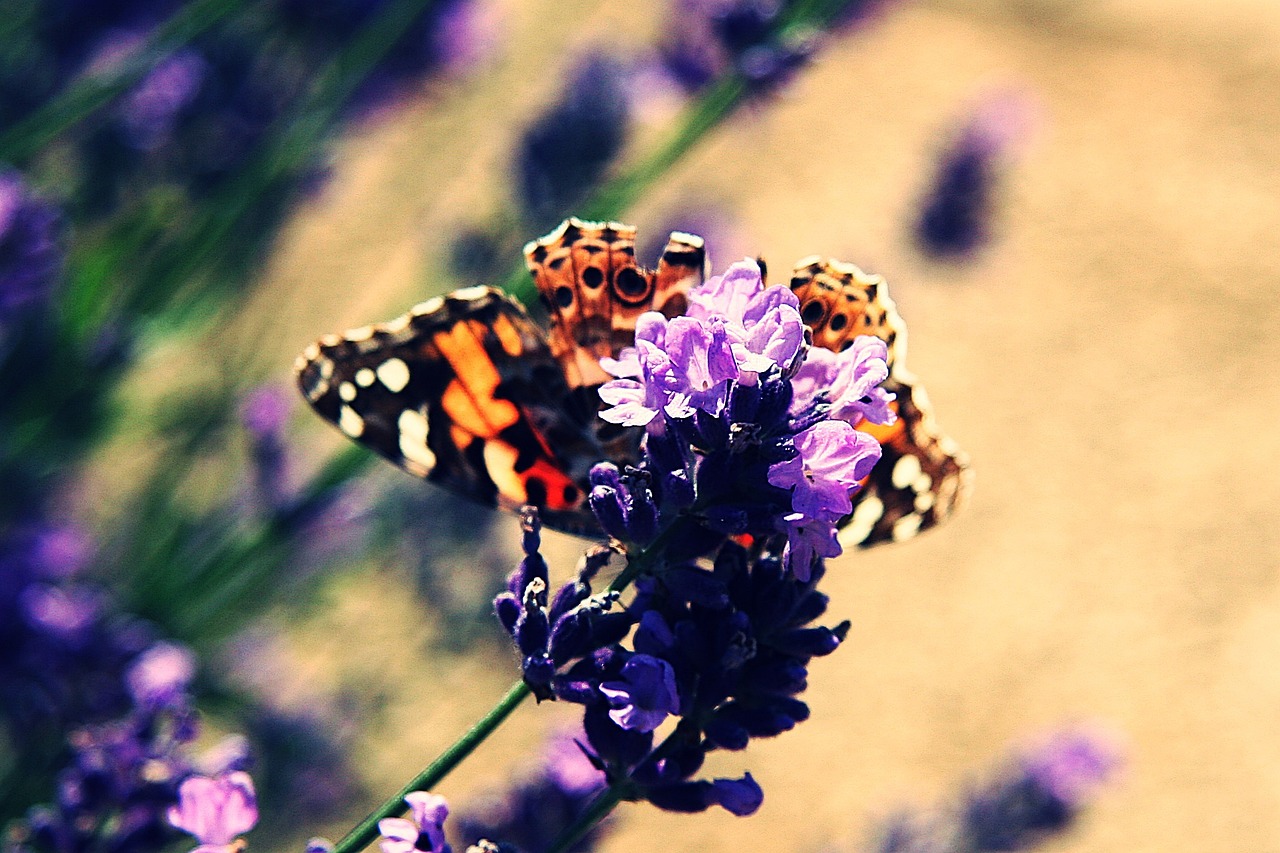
[[463, 391]]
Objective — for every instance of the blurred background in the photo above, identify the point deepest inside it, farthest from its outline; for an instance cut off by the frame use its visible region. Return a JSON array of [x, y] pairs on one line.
[[1076, 206]]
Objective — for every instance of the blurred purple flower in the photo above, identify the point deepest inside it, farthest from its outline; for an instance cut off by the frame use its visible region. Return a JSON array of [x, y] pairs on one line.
[[161, 675], [30, 258], [263, 412], [466, 33], [1073, 763], [217, 810], [533, 814], [955, 215], [567, 150], [1031, 801], [148, 113]]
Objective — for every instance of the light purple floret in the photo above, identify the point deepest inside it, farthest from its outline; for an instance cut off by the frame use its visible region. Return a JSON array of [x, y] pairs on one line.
[[216, 810], [831, 457], [427, 813], [850, 379]]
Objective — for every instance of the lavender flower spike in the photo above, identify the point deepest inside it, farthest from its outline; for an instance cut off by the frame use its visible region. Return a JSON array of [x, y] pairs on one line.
[[216, 811], [423, 832]]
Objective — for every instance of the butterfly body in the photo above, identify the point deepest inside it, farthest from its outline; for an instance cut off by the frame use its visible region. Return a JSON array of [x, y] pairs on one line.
[[467, 391]]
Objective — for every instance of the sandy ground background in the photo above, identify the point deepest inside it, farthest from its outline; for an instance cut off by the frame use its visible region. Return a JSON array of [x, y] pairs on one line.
[[1110, 364]]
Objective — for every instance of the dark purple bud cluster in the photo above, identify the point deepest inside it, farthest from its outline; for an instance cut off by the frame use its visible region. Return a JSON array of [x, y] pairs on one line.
[[576, 623], [714, 37], [955, 218]]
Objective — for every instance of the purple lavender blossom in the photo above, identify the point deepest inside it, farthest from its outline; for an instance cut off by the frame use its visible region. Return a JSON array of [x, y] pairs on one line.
[[735, 329], [30, 258], [849, 380], [831, 458], [645, 696], [217, 811], [808, 540], [423, 830]]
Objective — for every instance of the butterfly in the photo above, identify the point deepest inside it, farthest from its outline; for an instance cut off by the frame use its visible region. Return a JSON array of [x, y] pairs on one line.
[[468, 391]]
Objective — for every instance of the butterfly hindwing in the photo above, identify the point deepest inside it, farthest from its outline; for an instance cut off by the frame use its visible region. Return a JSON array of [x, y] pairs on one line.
[[922, 476], [463, 391]]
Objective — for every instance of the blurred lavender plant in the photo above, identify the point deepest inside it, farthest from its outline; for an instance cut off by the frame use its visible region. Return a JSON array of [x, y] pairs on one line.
[[30, 256], [1038, 796], [957, 210], [566, 151], [531, 815], [123, 778], [708, 38]]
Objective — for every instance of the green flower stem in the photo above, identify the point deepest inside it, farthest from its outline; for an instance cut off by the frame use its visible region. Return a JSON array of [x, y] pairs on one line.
[[367, 830], [87, 95], [600, 807]]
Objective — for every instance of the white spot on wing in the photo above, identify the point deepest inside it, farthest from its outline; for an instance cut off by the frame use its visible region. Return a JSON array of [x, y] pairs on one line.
[[399, 324], [906, 527], [431, 306], [865, 515], [394, 373], [361, 334], [905, 472], [468, 294], [350, 422], [347, 391], [364, 377], [413, 427]]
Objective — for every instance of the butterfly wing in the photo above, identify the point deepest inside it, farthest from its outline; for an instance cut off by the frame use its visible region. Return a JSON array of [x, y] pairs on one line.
[[463, 391], [922, 476], [594, 290]]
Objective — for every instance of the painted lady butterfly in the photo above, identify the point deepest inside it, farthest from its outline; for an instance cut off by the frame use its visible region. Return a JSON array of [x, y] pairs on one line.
[[467, 391]]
